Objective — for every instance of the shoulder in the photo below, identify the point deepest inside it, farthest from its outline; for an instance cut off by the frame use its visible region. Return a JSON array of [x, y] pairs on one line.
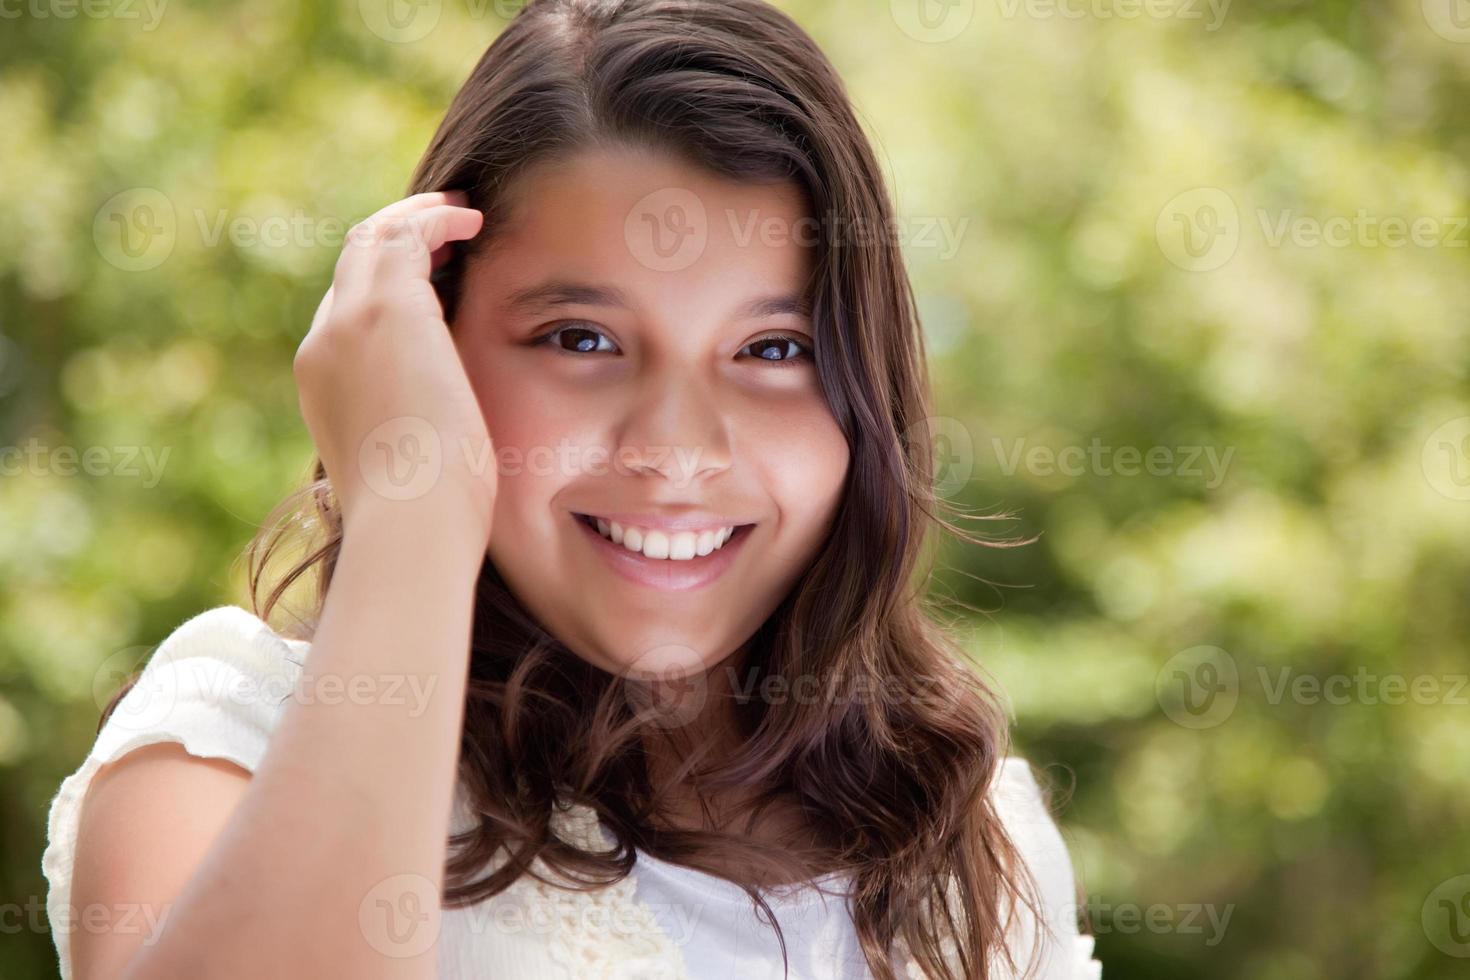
[[233, 635], [1023, 807], [1019, 796], [223, 668], [214, 687], [217, 684]]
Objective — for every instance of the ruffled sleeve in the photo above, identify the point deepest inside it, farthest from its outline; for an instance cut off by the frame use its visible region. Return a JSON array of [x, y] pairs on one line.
[[216, 685], [1064, 953]]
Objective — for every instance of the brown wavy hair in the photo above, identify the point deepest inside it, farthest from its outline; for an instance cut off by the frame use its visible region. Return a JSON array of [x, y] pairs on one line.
[[896, 786]]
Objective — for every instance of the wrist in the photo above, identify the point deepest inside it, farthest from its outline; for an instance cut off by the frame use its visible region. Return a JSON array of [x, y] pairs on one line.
[[448, 529]]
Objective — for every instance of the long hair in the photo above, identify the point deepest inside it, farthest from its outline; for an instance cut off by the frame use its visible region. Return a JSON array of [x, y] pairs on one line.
[[892, 763]]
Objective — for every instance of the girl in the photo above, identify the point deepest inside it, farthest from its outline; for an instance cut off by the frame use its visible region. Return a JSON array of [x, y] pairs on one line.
[[615, 530]]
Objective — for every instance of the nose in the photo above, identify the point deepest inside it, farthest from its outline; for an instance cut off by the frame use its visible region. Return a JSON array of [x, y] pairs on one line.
[[675, 429]]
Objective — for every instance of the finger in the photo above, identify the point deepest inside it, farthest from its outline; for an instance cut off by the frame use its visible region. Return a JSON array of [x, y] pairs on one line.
[[366, 232], [445, 224], [403, 247], [418, 202]]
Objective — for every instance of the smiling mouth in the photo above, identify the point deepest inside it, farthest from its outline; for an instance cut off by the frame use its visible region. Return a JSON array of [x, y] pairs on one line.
[[660, 545]]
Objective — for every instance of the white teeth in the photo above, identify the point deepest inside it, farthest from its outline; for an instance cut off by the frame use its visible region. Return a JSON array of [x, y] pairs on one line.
[[674, 546], [656, 545]]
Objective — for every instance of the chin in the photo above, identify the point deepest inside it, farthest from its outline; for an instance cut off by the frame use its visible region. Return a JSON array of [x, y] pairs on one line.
[[662, 654]]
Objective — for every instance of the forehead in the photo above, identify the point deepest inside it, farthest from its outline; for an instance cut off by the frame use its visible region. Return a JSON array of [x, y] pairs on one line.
[[665, 231]]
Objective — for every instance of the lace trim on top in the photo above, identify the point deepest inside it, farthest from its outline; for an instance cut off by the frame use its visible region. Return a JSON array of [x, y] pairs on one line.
[[608, 930]]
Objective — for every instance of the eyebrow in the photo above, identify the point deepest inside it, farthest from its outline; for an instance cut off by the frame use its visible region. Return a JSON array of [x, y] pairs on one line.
[[535, 299]]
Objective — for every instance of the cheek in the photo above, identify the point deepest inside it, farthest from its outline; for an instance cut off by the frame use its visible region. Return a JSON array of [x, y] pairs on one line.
[[522, 409], [541, 428], [802, 458]]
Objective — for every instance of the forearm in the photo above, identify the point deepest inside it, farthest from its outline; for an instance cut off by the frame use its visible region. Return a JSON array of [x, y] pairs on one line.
[[355, 789]]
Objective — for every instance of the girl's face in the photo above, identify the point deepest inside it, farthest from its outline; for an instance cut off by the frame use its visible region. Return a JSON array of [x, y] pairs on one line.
[[637, 342]]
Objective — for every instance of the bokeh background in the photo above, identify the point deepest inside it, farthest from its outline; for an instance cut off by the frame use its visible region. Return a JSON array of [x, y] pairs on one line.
[[1195, 279]]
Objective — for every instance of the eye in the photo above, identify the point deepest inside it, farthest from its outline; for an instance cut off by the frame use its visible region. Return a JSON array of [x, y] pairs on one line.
[[577, 338], [779, 349]]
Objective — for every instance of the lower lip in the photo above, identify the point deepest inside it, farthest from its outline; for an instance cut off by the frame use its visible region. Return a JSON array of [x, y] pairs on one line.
[[666, 574]]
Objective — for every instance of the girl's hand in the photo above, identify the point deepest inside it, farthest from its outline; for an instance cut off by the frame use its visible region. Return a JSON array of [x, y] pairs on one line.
[[382, 388]]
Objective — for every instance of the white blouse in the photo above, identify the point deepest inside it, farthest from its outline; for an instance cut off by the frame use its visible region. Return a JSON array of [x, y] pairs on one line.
[[217, 685], [715, 923]]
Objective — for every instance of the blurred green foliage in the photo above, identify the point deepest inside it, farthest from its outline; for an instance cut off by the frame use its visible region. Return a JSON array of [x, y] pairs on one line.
[[1229, 239]]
